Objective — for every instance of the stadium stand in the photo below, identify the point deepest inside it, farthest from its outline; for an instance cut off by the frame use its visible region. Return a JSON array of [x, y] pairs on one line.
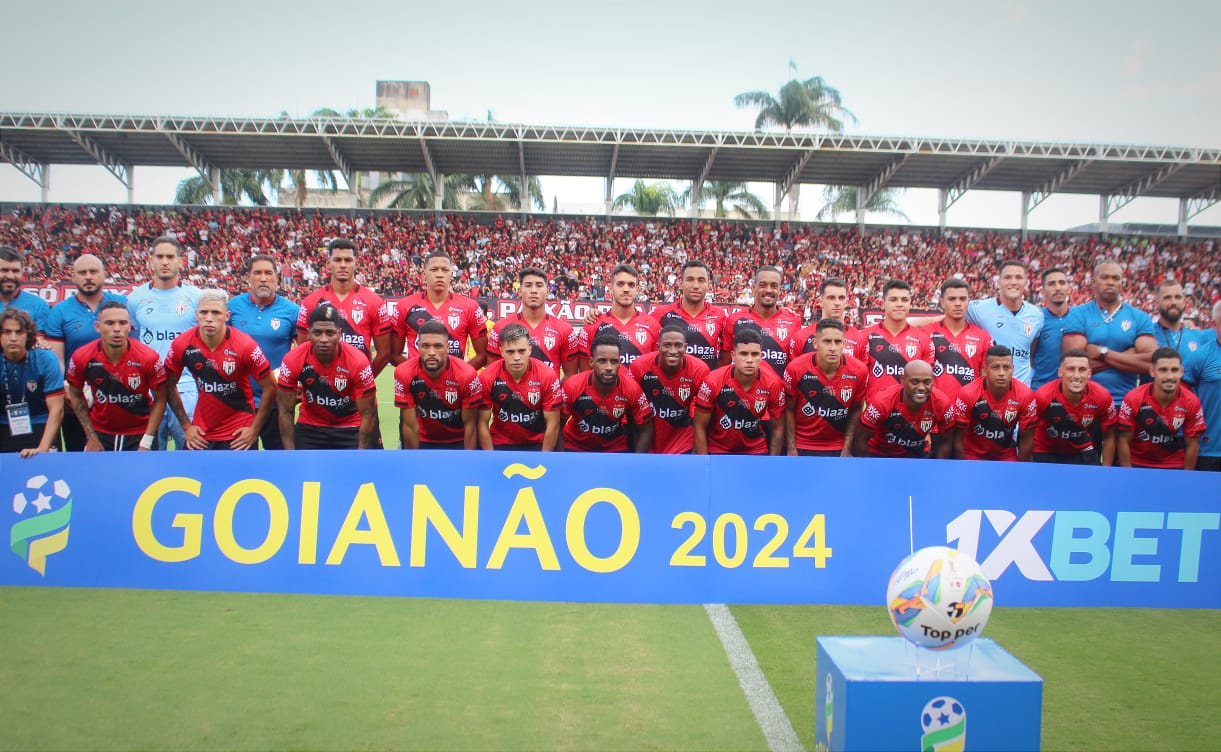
[[579, 251]]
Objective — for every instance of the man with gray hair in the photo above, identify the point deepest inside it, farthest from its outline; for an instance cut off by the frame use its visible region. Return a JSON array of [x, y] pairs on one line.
[[1203, 373], [222, 361]]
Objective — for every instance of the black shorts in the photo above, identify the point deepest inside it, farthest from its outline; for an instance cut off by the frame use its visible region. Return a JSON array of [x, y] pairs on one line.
[[818, 452], [531, 447], [11, 443], [1209, 464], [270, 435], [919, 456], [117, 442], [442, 445], [72, 431], [1089, 457], [306, 436]]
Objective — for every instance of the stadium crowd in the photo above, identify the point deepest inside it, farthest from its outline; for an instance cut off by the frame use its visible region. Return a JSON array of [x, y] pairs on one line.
[[490, 253], [210, 353]]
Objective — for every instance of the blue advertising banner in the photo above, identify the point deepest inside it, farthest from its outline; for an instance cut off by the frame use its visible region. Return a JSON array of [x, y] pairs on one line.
[[615, 528]]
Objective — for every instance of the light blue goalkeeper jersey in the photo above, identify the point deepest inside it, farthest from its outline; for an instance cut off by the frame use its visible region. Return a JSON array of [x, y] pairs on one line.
[[158, 316]]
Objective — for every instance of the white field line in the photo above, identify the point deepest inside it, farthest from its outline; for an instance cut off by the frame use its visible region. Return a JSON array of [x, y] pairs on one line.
[[774, 724]]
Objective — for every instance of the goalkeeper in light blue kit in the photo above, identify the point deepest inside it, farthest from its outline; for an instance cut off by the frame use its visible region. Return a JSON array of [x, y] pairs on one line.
[[161, 309], [1009, 318]]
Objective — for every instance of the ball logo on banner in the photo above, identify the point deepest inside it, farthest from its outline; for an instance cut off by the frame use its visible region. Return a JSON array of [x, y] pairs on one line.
[[45, 508], [944, 723], [939, 598], [829, 710]]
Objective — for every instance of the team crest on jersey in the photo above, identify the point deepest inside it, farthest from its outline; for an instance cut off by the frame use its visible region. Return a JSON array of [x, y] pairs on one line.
[[181, 308], [710, 327], [1125, 325], [970, 348], [845, 393], [617, 413], [782, 332], [451, 396], [1010, 416], [228, 367], [358, 315], [549, 341], [926, 425], [454, 320], [31, 386], [133, 381], [533, 397], [642, 337], [912, 348], [760, 404], [1028, 327], [1086, 421], [684, 393], [341, 382], [275, 324], [1177, 423]]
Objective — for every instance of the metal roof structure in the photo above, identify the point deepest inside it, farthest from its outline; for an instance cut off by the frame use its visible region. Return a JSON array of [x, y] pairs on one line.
[[1117, 173]]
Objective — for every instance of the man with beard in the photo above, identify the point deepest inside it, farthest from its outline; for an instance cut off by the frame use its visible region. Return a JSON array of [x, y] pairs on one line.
[[898, 420], [1074, 413], [670, 378], [636, 331], [366, 321], [553, 341], [127, 381], [605, 412], [72, 324], [1046, 357], [521, 397], [271, 320], [438, 394], [889, 345], [740, 407], [824, 391], [776, 325], [12, 274], [702, 321], [833, 299], [1203, 372], [1117, 337], [1160, 423], [222, 361], [462, 317], [1169, 330], [992, 410], [338, 393]]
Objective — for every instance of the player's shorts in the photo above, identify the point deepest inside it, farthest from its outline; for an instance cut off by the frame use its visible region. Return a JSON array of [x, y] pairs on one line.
[[1209, 464], [1089, 457], [117, 442], [534, 446], [306, 436], [818, 452], [442, 445]]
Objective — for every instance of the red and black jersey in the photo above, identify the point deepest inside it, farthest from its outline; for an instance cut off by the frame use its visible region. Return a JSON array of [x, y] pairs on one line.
[[777, 332], [463, 319], [989, 425], [517, 407], [1157, 431], [738, 412], [886, 354], [671, 398], [637, 336], [438, 403], [365, 315], [822, 404], [704, 330], [226, 401], [597, 423], [900, 432], [328, 392], [958, 359], [804, 342], [122, 391], [1065, 428], [553, 341]]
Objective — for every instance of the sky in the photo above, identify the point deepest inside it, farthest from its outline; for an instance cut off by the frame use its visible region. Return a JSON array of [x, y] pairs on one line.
[[1082, 71]]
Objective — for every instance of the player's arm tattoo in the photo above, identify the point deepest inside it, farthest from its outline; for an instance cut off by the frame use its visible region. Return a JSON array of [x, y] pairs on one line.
[[76, 397]]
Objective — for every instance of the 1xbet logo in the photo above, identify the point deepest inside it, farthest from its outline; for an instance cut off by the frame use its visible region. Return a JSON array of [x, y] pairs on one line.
[[1131, 546]]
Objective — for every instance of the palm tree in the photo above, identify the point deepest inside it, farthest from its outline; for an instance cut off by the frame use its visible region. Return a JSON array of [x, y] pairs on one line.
[[842, 200], [649, 199], [736, 195], [366, 113], [500, 192], [811, 103], [235, 184], [416, 191]]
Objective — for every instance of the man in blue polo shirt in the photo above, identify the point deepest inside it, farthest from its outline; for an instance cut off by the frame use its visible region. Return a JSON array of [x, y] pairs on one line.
[[271, 320], [1203, 373], [1009, 318], [1046, 358], [71, 325], [1169, 330], [12, 274], [1117, 336]]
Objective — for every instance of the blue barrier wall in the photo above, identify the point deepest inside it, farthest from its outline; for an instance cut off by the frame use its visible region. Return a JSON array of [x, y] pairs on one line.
[[569, 527]]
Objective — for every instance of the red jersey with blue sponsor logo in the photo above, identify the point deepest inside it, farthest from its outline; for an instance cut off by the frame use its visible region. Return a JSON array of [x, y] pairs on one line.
[[672, 398], [958, 359], [438, 402], [1065, 428], [637, 336], [705, 330], [777, 332], [365, 315], [739, 412], [553, 342], [122, 391], [1157, 431], [226, 401], [886, 354], [328, 392], [989, 424], [822, 405], [517, 407], [899, 431], [463, 319], [597, 423]]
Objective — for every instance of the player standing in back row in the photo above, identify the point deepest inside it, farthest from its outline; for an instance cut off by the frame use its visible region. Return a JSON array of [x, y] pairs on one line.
[[636, 331], [704, 322], [775, 324], [461, 316], [553, 341], [1009, 318]]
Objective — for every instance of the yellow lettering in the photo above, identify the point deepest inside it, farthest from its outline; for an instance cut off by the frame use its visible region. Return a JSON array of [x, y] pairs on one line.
[[525, 508], [367, 506], [426, 510], [277, 525], [307, 538], [629, 538], [191, 524]]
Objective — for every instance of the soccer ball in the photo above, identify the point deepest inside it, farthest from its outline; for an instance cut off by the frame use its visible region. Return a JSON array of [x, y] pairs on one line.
[[40, 492], [941, 713], [939, 598]]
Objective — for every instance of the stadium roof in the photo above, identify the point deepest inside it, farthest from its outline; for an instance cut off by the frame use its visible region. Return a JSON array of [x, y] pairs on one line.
[[120, 142]]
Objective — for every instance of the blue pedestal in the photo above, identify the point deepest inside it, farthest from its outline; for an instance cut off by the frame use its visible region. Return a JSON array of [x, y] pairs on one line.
[[878, 693]]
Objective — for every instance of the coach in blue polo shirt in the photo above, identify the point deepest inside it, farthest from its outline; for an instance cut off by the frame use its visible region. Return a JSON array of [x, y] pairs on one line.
[[72, 324], [12, 274], [1117, 336], [271, 320], [1203, 373]]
